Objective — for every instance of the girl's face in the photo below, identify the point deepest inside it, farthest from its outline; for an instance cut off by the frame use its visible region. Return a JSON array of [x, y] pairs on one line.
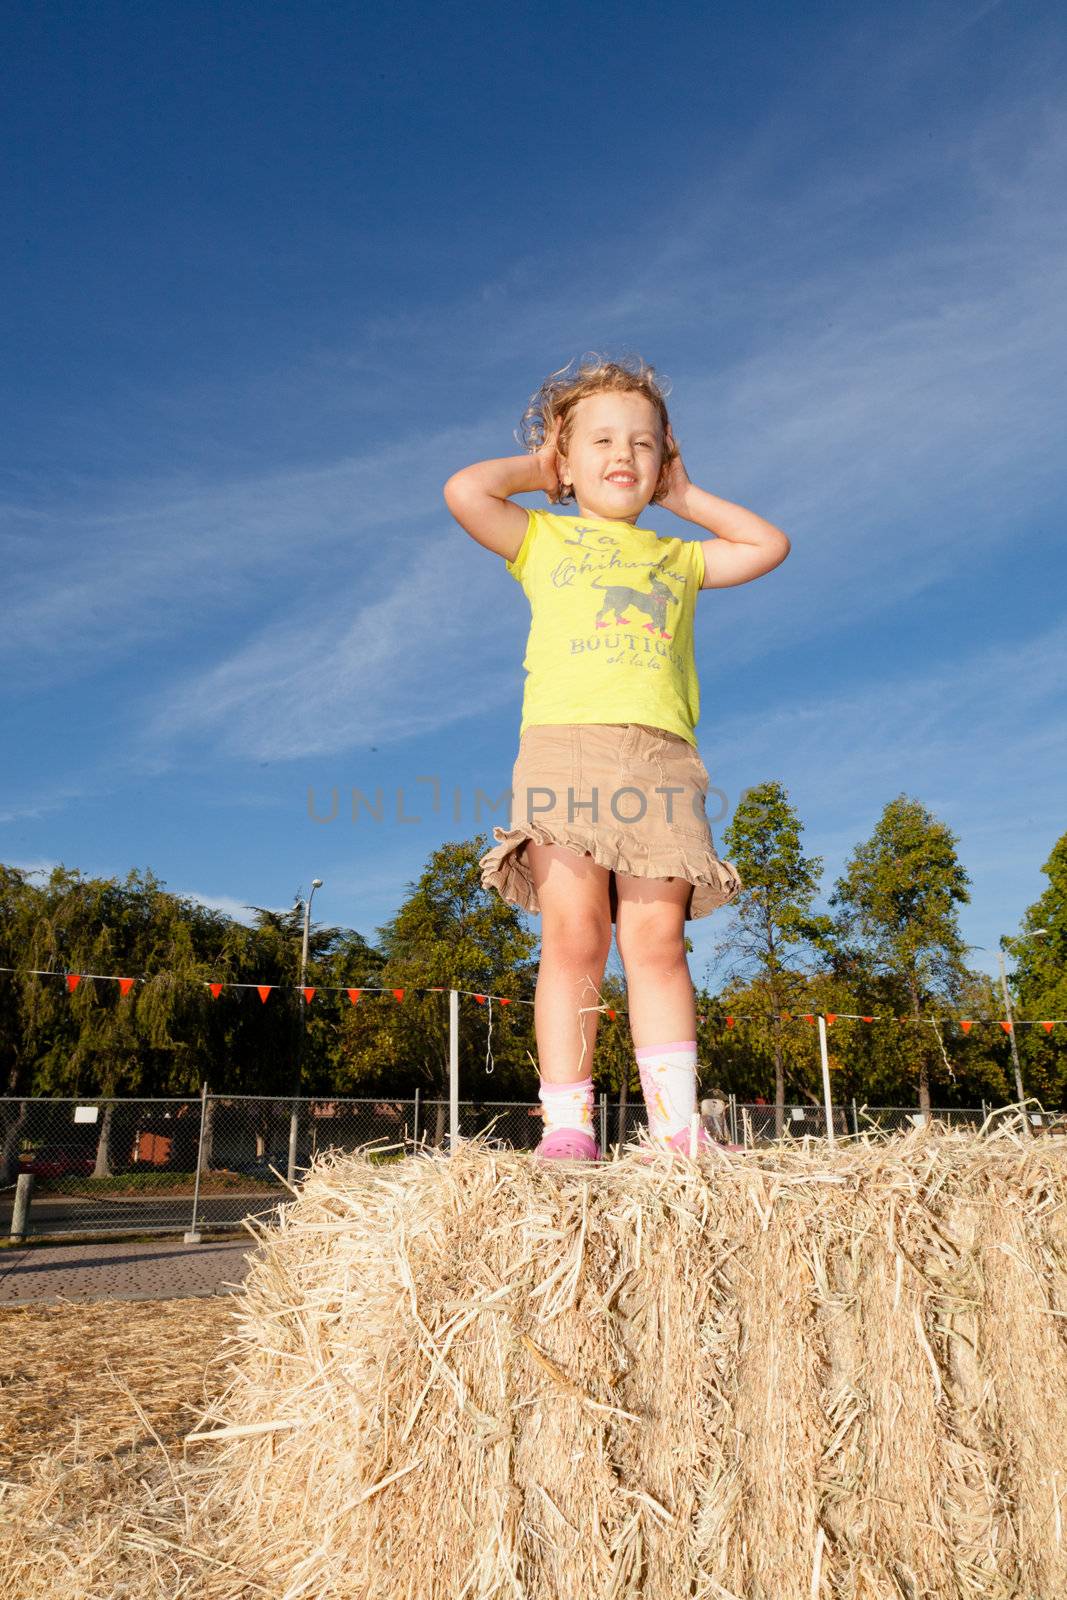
[[613, 455]]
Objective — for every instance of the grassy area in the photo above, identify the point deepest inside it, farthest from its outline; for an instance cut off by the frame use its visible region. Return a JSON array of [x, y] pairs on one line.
[[160, 1183]]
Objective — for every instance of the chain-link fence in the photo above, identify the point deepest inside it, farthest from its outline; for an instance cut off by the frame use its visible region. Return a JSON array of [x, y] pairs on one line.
[[203, 1165]]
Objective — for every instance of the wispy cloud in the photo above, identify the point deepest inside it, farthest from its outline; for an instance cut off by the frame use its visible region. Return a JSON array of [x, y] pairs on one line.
[[985, 737], [35, 868], [40, 805], [425, 650], [239, 910], [161, 561]]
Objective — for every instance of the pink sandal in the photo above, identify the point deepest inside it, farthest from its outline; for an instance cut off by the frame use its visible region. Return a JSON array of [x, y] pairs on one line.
[[568, 1144], [678, 1144]]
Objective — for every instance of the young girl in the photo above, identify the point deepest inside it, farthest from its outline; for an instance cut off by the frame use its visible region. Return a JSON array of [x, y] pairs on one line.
[[608, 821]]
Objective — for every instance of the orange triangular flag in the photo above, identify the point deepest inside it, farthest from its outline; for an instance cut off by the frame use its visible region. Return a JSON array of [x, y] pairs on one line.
[[398, 994], [966, 1026], [831, 1018], [786, 1017], [73, 980], [126, 984], [611, 1014], [1048, 1026], [502, 1001], [1006, 1026], [868, 1019], [354, 994], [729, 1022], [480, 999], [216, 989], [309, 995], [807, 1016], [264, 990]]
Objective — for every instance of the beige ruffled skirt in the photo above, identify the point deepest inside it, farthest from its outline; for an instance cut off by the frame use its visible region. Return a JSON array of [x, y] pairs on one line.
[[631, 796]]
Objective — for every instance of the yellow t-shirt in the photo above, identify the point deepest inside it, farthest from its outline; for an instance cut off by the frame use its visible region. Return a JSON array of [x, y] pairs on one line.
[[611, 630]]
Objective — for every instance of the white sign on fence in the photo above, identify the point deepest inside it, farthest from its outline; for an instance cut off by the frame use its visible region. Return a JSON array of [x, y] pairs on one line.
[[86, 1113]]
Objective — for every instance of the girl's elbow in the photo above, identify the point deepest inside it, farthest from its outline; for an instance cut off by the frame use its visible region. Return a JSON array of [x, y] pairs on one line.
[[456, 490]]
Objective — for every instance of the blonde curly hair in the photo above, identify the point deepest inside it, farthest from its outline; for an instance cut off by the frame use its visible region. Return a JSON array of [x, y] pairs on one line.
[[593, 374]]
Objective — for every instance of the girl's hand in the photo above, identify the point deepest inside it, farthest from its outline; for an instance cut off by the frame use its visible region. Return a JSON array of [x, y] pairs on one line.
[[547, 464], [678, 484]]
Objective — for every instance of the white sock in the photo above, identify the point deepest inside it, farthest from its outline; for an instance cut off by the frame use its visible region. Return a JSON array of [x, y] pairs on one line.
[[669, 1084], [568, 1105]]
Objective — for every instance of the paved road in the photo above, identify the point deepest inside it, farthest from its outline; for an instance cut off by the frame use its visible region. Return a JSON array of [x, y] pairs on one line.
[[56, 1214], [41, 1274]]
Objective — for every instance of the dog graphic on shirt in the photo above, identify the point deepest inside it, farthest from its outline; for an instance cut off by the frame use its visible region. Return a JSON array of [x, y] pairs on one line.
[[654, 603]]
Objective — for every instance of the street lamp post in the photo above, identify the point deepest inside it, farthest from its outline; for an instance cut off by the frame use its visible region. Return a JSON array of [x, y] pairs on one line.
[[316, 883], [1011, 1036], [1020, 1092], [294, 1115]]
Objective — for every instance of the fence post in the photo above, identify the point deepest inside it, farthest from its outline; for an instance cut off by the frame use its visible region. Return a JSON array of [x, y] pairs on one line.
[[193, 1237], [294, 1140], [21, 1214], [416, 1139], [453, 1070], [733, 1118], [830, 1134], [985, 1113], [855, 1118], [603, 1123]]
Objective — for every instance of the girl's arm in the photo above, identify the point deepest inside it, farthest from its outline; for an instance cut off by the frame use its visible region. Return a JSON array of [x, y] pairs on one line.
[[745, 545], [478, 496]]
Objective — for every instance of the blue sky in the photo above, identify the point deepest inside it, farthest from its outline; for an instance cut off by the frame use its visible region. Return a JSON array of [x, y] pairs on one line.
[[272, 273]]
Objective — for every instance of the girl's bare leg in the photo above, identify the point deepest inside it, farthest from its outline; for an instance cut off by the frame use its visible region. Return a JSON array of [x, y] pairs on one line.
[[650, 933], [572, 891]]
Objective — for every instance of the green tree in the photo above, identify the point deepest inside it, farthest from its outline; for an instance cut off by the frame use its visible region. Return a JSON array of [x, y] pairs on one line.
[[20, 906], [775, 927], [899, 895], [1040, 983]]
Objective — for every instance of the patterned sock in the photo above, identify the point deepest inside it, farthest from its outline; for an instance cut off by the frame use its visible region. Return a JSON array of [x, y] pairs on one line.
[[669, 1084], [567, 1105]]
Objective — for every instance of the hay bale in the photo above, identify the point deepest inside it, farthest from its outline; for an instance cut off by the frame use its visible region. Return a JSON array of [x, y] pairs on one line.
[[798, 1373], [804, 1373]]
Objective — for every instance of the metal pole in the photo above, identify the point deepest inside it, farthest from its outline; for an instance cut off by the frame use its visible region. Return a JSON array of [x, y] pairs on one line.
[[828, 1098], [855, 1118], [294, 1115], [453, 1070], [1020, 1094], [733, 1118], [416, 1140], [193, 1237], [20, 1215], [603, 1123]]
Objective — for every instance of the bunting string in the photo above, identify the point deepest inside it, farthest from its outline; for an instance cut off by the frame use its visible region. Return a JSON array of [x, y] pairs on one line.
[[730, 1020]]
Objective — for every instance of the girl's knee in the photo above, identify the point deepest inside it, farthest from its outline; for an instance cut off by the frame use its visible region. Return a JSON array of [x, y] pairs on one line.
[[580, 937], [652, 943]]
